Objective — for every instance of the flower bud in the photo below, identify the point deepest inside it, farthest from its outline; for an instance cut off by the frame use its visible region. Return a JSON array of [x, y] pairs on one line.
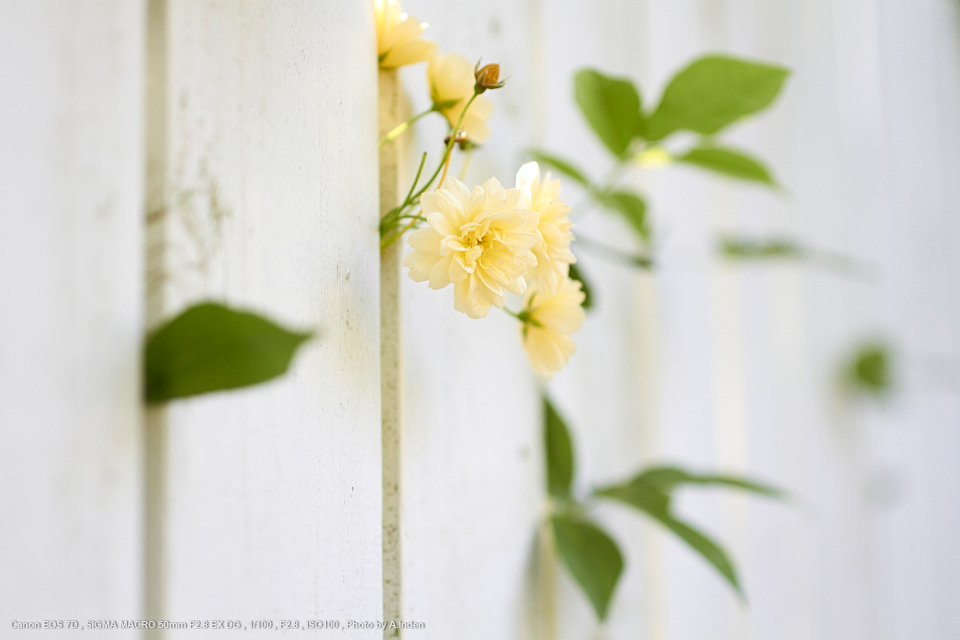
[[488, 77]]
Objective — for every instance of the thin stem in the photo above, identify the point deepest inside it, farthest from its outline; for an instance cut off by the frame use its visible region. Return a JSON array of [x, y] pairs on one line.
[[515, 315], [595, 193], [395, 214], [607, 251], [403, 126], [466, 165], [450, 144], [386, 242]]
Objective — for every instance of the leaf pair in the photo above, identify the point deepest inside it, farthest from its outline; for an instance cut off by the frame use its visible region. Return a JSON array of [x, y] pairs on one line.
[[652, 493], [210, 347], [705, 97], [589, 553]]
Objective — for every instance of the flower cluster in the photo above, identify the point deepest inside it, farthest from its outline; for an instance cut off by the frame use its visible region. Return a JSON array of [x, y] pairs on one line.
[[488, 240]]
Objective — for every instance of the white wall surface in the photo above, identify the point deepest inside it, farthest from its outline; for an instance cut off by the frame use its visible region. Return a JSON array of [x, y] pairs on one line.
[[267, 501], [261, 128], [707, 363], [71, 286]]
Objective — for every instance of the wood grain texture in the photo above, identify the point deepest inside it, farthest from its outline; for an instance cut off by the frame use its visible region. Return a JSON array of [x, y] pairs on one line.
[[270, 497], [71, 235]]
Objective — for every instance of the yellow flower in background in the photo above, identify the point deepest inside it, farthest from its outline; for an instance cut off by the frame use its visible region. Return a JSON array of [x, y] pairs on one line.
[[553, 251], [480, 241], [548, 322], [398, 37], [452, 80]]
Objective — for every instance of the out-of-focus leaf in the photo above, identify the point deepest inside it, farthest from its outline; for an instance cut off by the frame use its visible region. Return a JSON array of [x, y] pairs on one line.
[[729, 162], [611, 107], [560, 165], [576, 274], [591, 556], [211, 347], [702, 544], [712, 93], [638, 493], [666, 479], [870, 368], [743, 248], [632, 207], [651, 492], [560, 461]]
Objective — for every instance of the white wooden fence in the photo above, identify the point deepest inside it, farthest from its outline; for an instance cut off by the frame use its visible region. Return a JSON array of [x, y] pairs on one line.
[[154, 153]]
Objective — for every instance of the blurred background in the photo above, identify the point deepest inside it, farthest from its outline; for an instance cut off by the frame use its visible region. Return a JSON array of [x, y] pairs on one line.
[[158, 153]]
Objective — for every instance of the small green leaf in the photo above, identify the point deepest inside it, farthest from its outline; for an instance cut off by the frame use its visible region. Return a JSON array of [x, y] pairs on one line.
[[729, 162], [632, 207], [638, 493], [742, 248], [666, 479], [560, 165], [210, 347], [559, 449], [611, 106], [870, 369], [576, 274], [591, 556], [707, 548], [714, 92]]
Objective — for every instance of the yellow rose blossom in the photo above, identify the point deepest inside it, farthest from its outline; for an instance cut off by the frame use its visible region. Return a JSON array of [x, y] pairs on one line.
[[553, 252], [480, 241], [451, 79], [547, 324], [398, 37]]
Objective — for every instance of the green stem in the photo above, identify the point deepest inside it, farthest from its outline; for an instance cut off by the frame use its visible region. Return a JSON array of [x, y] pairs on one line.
[[409, 200], [403, 126], [609, 252], [389, 221], [449, 148]]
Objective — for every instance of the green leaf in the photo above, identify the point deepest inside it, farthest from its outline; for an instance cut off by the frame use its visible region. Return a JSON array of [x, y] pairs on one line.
[[210, 347], [559, 449], [638, 493], [870, 369], [560, 165], [611, 106], [591, 556], [576, 274], [666, 479], [714, 92], [729, 162], [746, 249], [651, 492], [707, 548], [632, 207]]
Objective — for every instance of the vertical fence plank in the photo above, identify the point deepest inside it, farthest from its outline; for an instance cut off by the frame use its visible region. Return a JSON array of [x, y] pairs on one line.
[[393, 111], [270, 500], [70, 264], [471, 470]]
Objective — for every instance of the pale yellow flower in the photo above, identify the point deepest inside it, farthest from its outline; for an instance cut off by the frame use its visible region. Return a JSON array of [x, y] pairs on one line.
[[548, 323], [480, 241], [398, 37], [553, 252], [451, 79]]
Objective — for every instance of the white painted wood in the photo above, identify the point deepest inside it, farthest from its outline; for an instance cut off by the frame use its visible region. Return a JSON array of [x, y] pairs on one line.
[[71, 284], [733, 367], [269, 498], [471, 483]]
